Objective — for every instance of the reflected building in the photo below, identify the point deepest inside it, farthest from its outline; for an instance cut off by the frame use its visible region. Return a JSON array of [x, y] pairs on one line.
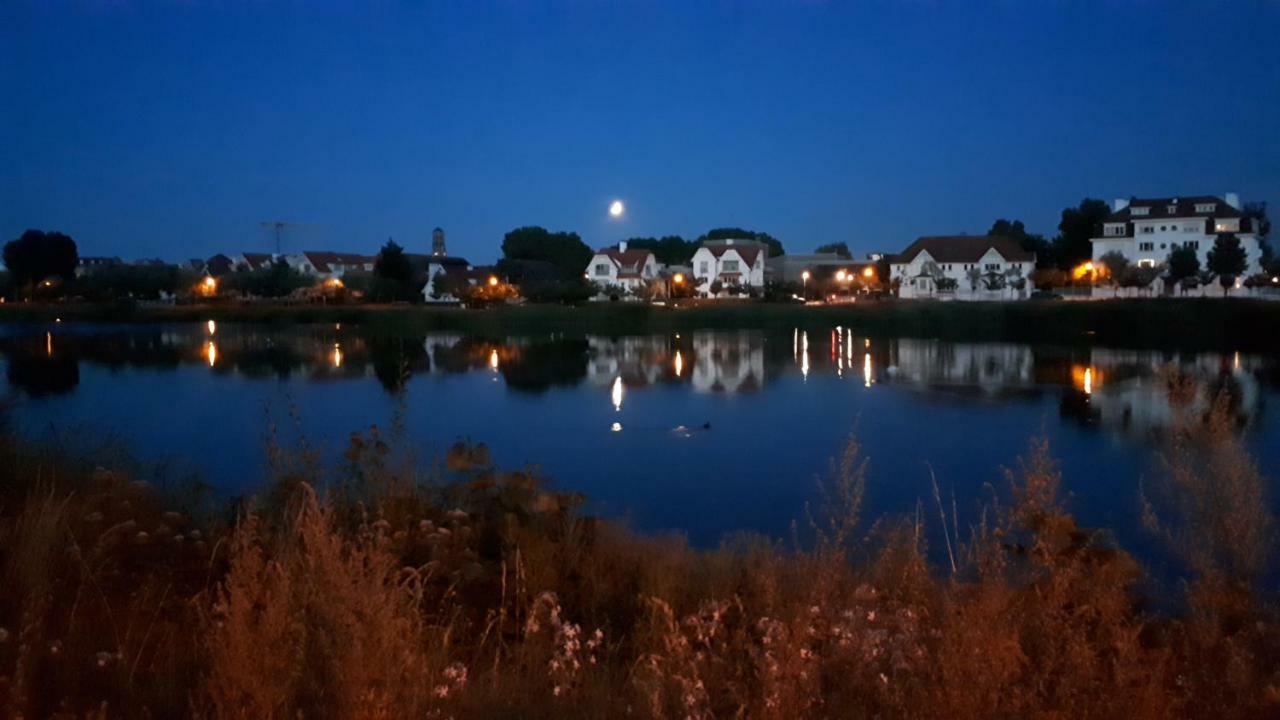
[[989, 369], [727, 362]]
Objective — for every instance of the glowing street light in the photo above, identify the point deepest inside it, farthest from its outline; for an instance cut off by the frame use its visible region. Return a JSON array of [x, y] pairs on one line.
[[841, 275], [493, 281], [678, 278], [868, 272]]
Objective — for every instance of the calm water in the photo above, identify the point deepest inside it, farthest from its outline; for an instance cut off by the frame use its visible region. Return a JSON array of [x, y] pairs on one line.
[[704, 432]]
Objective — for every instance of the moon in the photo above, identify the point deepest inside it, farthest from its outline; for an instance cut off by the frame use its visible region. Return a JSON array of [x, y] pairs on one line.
[[616, 208]]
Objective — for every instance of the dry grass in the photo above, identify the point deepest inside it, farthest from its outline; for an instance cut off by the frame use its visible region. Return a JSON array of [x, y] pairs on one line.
[[390, 596]]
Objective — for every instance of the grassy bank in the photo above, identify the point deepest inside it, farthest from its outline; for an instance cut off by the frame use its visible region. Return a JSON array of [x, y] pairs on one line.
[[1248, 325], [470, 592]]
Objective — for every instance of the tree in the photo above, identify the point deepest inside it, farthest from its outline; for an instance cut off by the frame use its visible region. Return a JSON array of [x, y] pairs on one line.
[[37, 256], [1227, 260], [145, 282], [1117, 265], [839, 248], [1079, 225], [394, 276], [542, 282], [1016, 231], [1183, 263], [564, 250], [773, 243], [669, 249], [275, 280]]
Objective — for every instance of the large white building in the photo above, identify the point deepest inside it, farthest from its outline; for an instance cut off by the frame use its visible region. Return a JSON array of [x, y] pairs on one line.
[[732, 263], [963, 267], [1146, 231], [619, 266]]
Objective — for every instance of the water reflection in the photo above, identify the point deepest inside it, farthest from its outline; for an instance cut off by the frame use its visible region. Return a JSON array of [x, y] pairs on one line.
[[1122, 390]]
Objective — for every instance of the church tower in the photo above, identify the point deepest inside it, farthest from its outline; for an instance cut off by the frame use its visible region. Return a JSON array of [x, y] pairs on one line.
[[437, 243]]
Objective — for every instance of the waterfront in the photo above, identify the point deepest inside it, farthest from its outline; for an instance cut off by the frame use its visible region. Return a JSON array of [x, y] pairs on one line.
[[700, 432]]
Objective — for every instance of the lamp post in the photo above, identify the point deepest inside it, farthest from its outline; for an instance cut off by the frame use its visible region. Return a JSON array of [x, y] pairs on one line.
[[804, 284]]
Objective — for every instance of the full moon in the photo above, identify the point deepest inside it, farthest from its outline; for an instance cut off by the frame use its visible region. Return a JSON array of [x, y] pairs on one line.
[[616, 208]]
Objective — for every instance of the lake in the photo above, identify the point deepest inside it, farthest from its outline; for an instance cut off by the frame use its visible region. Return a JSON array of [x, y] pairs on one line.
[[704, 433]]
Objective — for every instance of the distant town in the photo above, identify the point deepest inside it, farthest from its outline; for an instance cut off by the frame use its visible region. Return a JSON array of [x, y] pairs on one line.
[[1201, 245]]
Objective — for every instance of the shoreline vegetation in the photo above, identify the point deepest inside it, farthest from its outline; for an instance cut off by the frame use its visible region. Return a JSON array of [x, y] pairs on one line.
[[1191, 324], [385, 588]]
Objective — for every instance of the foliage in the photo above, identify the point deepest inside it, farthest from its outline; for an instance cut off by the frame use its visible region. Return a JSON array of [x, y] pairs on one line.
[[1078, 226], [946, 284], [1116, 264], [564, 250], [273, 281], [1226, 259], [472, 592], [839, 248], [143, 282], [394, 276], [543, 282], [774, 244], [1139, 276], [1015, 230], [37, 255], [668, 249], [1183, 263]]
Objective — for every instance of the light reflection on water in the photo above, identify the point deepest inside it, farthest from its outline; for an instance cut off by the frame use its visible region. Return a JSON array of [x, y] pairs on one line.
[[704, 412]]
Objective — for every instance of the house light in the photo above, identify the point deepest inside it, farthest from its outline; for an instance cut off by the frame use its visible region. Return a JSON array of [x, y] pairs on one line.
[[493, 280], [211, 353], [868, 272], [211, 326], [841, 275], [337, 355], [678, 278], [493, 359], [678, 363]]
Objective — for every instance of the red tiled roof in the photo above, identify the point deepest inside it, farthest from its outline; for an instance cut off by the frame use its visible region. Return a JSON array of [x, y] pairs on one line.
[[748, 253], [323, 261], [257, 261], [633, 259], [964, 249]]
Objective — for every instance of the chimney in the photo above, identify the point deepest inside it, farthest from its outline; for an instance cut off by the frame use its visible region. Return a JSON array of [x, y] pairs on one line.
[[1232, 199], [622, 246], [1119, 204]]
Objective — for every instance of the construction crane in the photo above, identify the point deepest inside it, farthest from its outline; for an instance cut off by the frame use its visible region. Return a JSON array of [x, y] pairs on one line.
[[278, 226]]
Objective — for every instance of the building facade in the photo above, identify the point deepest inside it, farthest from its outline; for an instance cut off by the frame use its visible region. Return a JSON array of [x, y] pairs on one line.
[[732, 263], [629, 268], [1145, 231], [963, 267]]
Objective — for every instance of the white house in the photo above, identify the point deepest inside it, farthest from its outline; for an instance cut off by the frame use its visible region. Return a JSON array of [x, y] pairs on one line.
[[963, 267], [732, 263], [628, 268], [446, 265], [1146, 231]]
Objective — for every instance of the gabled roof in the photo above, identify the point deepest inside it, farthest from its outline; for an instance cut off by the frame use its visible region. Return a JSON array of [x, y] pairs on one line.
[[257, 261], [748, 253], [1184, 206], [630, 260], [964, 249], [323, 261]]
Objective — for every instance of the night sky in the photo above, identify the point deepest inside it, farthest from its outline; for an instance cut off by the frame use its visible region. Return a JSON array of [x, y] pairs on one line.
[[173, 129]]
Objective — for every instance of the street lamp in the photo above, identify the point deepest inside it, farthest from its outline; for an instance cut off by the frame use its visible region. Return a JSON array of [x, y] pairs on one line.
[[842, 275], [493, 281], [804, 283]]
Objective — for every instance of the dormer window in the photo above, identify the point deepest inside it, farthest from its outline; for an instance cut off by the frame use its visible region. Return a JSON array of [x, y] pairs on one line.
[[1206, 207], [1116, 230], [1173, 209], [1140, 210]]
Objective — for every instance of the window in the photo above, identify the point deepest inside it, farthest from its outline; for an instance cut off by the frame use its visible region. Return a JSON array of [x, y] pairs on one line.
[[1146, 247], [1226, 226], [1173, 209], [1139, 211], [992, 266], [648, 271], [729, 266], [1191, 244], [602, 269], [1206, 207], [1116, 230], [1190, 228], [1148, 229], [702, 268]]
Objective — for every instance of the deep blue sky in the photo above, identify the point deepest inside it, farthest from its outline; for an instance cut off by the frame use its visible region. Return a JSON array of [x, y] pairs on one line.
[[173, 128]]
